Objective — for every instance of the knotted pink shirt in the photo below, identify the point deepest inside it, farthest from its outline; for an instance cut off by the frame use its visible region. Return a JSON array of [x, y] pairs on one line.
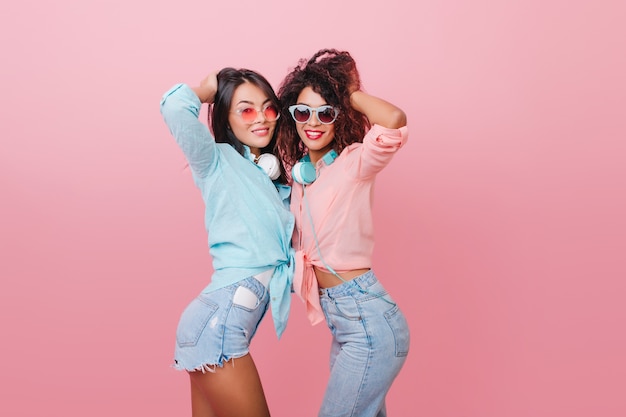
[[339, 203]]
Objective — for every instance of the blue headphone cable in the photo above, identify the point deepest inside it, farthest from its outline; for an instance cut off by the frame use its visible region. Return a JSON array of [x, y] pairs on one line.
[[319, 252]]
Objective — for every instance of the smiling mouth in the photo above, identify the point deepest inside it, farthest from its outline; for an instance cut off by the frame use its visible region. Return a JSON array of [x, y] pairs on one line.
[[261, 131], [313, 134]]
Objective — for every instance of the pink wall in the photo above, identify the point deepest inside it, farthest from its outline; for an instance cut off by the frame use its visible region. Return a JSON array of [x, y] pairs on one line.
[[501, 227]]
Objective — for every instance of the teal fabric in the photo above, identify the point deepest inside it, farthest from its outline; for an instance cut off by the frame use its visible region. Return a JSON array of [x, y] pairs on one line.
[[247, 216]]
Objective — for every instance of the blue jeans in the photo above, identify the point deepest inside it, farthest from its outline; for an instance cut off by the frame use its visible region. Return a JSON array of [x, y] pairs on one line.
[[370, 344]]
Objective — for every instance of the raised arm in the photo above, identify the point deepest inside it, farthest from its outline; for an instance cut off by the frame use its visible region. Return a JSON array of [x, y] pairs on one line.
[[387, 135], [377, 110], [180, 107], [207, 89]]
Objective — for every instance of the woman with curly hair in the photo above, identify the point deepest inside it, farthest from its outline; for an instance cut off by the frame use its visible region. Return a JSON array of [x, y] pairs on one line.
[[249, 227], [336, 138]]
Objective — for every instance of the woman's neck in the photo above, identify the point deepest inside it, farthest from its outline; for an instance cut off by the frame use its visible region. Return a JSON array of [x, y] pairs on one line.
[[316, 155]]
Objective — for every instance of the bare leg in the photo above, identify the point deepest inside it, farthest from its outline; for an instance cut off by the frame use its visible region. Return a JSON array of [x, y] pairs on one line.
[[200, 406], [233, 390]]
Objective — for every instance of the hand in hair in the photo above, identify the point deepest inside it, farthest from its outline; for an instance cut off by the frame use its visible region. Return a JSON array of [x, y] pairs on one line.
[[341, 68], [354, 80], [207, 89]]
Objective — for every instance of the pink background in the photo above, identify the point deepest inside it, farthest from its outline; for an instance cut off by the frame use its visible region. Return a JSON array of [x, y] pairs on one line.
[[501, 227]]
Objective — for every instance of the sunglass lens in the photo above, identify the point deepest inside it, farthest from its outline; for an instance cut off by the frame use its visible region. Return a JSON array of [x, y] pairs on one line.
[[270, 113], [327, 115], [301, 114], [248, 114]]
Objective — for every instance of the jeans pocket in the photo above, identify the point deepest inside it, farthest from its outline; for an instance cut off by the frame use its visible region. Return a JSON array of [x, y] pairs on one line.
[[249, 294], [347, 308], [194, 320], [400, 329], [246, 298]]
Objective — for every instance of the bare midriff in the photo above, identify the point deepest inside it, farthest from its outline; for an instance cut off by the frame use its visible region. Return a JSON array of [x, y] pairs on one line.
[[327, 279]]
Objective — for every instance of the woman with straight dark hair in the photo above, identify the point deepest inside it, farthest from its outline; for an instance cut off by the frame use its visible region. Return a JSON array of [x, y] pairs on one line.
[[249, 231]]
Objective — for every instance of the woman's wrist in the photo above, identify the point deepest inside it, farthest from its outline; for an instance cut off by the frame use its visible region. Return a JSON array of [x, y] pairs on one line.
[[205, 94], [354, 99]]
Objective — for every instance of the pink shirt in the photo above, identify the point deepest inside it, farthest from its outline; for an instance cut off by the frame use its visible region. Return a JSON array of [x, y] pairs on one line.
[[340, 204]]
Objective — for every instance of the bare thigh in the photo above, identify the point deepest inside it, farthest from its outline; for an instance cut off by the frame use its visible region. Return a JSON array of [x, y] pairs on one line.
[[233, 390]]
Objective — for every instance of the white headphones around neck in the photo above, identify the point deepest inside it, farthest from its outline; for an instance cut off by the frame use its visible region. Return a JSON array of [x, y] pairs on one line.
[[269, 163]]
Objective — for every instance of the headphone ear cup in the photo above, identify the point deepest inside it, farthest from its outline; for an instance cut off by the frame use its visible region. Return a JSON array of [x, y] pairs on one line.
[[270, 165], [303, 173]]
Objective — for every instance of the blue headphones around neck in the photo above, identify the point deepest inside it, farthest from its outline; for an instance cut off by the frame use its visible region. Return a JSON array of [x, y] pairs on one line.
[[303, 172]]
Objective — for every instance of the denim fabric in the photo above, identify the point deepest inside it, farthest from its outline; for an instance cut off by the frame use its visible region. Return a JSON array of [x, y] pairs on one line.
[[369, 346], [213, 329]]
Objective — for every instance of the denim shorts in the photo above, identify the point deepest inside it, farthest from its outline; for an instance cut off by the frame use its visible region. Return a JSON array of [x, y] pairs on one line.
[[214, 328], [369, 346]]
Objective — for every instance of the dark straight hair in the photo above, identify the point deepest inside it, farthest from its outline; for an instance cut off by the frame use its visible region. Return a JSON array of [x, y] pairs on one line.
[[228, 79]]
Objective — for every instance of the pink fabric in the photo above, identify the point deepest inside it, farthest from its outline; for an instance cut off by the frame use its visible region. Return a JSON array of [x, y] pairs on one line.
[[305, 285], [340, 204]]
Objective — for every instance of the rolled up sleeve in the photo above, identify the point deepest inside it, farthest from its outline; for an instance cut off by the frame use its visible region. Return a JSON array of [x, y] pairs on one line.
[[180, 108], [380, 145]]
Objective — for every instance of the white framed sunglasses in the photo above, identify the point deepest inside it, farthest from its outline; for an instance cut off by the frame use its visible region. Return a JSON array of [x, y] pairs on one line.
[[302, 113]]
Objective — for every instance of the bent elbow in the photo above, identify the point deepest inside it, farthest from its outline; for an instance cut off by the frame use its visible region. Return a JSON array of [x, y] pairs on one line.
[[397, 119]]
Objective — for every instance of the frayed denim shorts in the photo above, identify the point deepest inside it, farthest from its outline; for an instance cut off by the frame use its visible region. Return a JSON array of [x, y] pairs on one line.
[[218, 326]]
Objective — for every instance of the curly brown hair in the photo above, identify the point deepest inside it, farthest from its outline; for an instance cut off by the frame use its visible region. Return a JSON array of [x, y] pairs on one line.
[[333, 75]]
